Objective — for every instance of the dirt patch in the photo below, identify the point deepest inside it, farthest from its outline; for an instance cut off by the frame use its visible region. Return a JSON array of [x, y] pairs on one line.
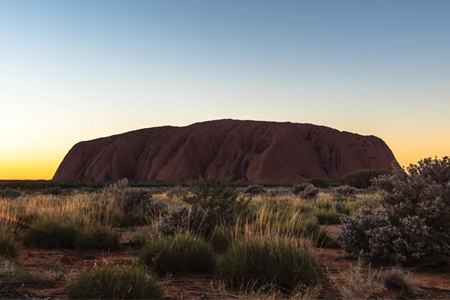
[[47, 280]]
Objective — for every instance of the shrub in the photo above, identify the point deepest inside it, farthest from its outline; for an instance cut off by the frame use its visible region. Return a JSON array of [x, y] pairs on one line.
[[344, 191], [255, 190], [338, 206], [361, 282], [7, 269], [107, 282], [179, 253], [279, 192], [412, 225], [310, 192], [185, 219], [219, 197], [132, 199], [270, 262], [56, 266], [362, 179], [318, 182], [298, 188], [119, 205], [156, 208], [96, 237], [177, 191], [10, 193], [214, 202], [55, 190], [310, 229], [397, 279], [8, 248], [49, 234]]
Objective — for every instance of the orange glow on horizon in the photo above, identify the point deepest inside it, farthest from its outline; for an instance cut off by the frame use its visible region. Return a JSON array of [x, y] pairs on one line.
[[28, 169], [46, 168]]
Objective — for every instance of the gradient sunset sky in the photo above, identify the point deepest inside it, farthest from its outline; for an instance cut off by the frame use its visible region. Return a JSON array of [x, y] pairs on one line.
[[78, 70]]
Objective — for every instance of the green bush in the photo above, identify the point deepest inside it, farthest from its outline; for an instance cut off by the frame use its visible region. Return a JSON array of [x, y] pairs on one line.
[[10, 193], [178, 253], [95, 237], [214, 201], [107, 282], [319, 183], [219, 197], [8, 248], [362, 179], [49, 234], [270, 262]]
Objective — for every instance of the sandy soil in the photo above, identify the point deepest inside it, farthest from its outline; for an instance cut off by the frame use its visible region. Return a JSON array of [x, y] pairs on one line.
[[45, 283]]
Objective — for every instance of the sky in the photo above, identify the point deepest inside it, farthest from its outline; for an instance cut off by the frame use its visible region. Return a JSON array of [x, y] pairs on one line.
[[77, 70]]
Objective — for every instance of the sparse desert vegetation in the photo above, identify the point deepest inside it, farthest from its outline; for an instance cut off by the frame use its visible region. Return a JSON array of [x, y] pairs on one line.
[[127, 242]]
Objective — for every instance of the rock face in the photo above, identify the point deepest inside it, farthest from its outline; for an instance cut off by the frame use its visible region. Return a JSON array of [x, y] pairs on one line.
[[256, 151]]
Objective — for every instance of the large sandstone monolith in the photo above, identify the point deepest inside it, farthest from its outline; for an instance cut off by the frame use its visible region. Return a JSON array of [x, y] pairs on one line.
[[256, 151]]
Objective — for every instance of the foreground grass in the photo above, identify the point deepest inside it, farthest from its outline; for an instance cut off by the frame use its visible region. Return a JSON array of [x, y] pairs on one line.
[[109, 282], [263, 262], [177, 254], [266, 251]]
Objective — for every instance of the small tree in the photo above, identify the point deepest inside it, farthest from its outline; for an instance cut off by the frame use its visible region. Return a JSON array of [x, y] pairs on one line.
[[219, 197], [319, 182], [362, 179], [214, 202], [413, 223]]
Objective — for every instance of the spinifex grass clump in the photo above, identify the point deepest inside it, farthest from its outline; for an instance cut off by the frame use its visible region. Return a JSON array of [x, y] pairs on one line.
[[399, 280], [257, 263], [49, 234], [327, 217], [309, 229], [361, 282], [109, 282], [121, 206], [97, 237], [223, 237], [7, 247], [178, 253]]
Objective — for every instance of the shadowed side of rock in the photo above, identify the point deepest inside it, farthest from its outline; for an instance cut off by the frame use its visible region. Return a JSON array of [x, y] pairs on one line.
[[257, 151]]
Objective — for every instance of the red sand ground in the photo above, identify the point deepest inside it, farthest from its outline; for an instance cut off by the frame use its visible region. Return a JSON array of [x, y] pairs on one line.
[[436, 284]]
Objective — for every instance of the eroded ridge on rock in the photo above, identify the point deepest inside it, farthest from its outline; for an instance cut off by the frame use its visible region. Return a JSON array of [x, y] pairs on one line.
[[256, 151]]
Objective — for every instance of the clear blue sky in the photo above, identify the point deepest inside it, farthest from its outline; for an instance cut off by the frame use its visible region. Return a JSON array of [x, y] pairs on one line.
[[78, 70]]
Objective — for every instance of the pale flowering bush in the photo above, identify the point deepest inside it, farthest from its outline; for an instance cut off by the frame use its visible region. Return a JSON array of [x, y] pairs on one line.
[[344, 191], [255, 190], [298, 188], [309, 191], [413, 223], [338, 206], [182, 219]]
